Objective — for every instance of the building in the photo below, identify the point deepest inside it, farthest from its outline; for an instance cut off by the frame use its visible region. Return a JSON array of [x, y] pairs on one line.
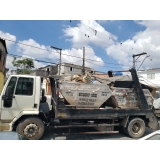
[[150, 77], [53, 70], [65, 69], [71, 69], [3, 56], [13, 72]]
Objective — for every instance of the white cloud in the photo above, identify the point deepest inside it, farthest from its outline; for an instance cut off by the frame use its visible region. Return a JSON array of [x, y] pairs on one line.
[[91, 59], [10, 45], [144, 41], [150, 24], [30, 51], [47, 54], [9, 63], [89, 32], [8, 37]]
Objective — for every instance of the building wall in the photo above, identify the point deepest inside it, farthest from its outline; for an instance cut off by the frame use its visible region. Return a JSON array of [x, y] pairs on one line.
[[70, 70], [150, 77], [3, 54], [2, 58], [1, 81]]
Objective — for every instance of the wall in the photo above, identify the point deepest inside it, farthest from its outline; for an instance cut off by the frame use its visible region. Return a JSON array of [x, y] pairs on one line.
[[155, 81], [3, 54], [74, 70], [1, 81], [65, 69]]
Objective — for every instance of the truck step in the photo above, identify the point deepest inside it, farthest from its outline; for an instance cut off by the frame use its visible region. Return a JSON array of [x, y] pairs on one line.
[[87, 125], [98, 132]]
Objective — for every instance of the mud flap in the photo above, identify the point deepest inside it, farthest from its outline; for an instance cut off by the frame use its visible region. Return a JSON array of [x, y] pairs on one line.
[[153, 122], [124, 122]]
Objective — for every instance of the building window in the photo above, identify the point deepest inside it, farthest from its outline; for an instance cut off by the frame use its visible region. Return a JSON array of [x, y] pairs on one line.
[[151, 76], [71, 69]]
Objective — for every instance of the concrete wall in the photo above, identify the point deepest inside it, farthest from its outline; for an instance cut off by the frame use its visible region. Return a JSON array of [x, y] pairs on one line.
[[67, 70]]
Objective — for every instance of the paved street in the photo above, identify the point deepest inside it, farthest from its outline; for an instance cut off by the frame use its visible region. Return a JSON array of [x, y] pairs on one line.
[[116, 136]]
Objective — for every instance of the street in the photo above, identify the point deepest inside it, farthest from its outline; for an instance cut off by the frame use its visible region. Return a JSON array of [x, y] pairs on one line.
[[116, 136]]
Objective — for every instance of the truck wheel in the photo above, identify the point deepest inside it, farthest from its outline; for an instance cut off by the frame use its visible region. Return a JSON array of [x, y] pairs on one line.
[[32, 128], [136, 128]]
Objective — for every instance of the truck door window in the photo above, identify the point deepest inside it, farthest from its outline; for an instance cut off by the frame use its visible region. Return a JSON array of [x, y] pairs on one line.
[[24, 86], [12, 84]]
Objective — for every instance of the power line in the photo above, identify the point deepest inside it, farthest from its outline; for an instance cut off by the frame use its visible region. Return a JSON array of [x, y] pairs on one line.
[[90, 35], [62, 53], [100, 40], [79, 67], [107, 62], [102, 66], [68, 54], [109, 37], [14, 55], [142, 62]]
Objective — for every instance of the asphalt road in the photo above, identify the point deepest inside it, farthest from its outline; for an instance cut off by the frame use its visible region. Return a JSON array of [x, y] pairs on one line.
[[117, 136]]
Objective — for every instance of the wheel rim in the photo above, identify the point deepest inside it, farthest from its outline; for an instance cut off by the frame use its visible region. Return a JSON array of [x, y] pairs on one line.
[[30, 130], [136, 128]]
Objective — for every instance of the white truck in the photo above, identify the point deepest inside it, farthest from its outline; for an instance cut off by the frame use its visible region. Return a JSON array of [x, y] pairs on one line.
[[23, 108]]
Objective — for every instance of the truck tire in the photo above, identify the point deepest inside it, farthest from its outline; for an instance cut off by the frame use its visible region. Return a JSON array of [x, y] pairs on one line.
[[32, 128], [136, 128]]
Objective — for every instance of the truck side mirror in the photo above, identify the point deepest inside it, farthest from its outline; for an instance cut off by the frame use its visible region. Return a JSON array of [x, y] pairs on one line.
[[8, 98], [8, 92]]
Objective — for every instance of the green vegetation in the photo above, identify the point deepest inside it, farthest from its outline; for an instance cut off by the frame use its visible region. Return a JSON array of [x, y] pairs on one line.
[[24, 66]]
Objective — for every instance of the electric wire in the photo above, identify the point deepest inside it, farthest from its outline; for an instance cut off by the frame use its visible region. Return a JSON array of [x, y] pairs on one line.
[[100, 40], [68, 54], [62, 53], [108, 37]]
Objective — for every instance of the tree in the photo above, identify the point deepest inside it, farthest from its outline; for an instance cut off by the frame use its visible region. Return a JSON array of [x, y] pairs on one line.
[[24, 66]]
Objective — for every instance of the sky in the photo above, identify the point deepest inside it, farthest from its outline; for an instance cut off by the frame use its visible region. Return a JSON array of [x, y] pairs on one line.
[[109, 44]]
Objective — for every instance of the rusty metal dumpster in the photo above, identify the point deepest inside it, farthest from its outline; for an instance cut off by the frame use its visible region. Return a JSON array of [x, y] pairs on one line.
[[85, 95]]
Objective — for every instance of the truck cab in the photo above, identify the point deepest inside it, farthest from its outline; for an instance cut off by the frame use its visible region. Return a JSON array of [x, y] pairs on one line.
[[20, 99]]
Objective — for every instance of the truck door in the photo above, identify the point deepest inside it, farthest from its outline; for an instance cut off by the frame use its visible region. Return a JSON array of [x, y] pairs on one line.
[[22, 90]]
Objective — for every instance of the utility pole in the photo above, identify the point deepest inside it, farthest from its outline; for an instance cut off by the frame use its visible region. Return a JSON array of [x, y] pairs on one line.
[[59, 58], [83, 70], [137, 58], [142, 62]]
